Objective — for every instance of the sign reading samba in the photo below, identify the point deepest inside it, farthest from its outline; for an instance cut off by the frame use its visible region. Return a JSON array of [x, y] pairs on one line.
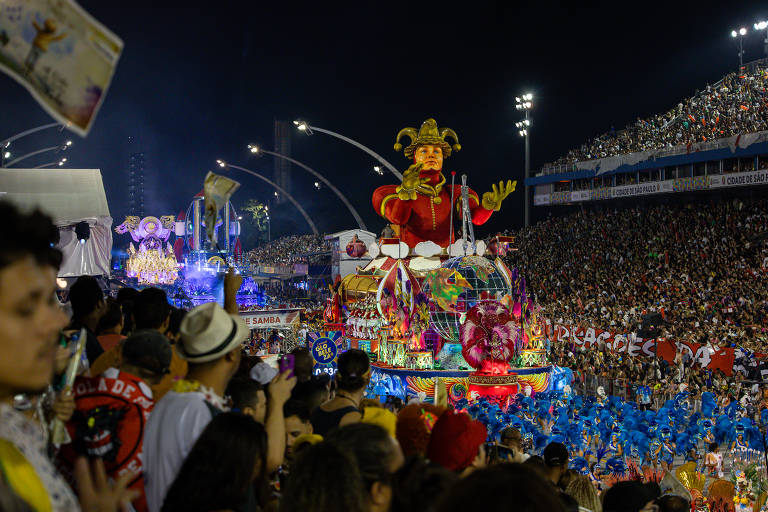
[[271, 318], [325, 347]]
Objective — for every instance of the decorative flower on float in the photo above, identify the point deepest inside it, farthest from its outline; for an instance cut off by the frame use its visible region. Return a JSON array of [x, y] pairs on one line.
[[489, 338]]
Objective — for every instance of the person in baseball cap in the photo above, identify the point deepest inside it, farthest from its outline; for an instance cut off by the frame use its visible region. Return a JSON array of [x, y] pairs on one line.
[[145, 360], [147, 354], [556, 459], [457, 443]]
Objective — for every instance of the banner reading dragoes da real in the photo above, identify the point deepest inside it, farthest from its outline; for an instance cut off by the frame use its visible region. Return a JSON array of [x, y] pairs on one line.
[[61, 55], [721, 359]]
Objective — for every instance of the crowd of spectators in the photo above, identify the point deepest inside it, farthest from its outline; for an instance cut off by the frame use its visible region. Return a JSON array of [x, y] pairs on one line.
[[701, 266], [735, 105], [289, 250], [167, 414], [652, 381]]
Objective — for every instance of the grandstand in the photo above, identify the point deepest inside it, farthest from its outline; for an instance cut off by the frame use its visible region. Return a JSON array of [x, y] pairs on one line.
[[716, 139]]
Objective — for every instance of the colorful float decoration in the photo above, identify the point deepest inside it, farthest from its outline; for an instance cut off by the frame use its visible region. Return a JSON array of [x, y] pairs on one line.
[[154, 262], [444, 322]]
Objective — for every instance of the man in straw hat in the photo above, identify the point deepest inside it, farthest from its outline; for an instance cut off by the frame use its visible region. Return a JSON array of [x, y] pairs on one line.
[[421, 204], [211, 342]]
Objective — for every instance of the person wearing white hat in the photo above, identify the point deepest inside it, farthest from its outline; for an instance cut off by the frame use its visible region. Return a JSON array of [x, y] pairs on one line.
[[211, 342]]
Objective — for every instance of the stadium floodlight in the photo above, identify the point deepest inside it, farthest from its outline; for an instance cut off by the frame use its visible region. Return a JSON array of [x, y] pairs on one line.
[[524, 102], [742, 31]]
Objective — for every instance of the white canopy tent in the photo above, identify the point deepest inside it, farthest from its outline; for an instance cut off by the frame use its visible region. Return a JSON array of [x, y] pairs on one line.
[[69, 196]]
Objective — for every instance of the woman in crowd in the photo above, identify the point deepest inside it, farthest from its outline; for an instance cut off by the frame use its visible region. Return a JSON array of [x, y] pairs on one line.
[[582, 490], [313, 487], [418, 485], [224, 470], [354, 373], [378, 457]]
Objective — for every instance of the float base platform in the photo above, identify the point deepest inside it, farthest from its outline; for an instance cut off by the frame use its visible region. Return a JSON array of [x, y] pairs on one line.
[[455, 384]]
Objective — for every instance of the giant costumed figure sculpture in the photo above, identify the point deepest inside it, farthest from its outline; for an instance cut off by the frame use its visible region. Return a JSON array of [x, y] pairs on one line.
[[420, 207]]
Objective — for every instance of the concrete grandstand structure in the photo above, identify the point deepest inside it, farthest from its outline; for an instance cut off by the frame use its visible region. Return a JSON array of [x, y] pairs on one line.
[[716, 139]]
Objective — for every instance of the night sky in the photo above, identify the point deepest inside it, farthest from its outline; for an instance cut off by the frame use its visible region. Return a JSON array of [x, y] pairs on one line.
[[197, 84]]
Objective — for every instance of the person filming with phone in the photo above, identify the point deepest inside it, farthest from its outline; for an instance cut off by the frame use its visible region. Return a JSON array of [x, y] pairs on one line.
[[512, 439]]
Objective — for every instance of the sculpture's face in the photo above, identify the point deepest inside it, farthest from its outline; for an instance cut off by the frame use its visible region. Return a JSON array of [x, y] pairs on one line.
[[431, 157]]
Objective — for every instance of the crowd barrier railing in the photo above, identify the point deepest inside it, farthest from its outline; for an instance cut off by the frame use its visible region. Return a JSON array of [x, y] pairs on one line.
[[588, 384]]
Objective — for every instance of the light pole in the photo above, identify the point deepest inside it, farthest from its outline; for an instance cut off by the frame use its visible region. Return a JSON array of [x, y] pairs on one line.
[[227, 165], [269, 226], [740, 34], [7, 142], [62, 147], [256, 150], [304, 127], [60, 163], [763, 25], [525, 104]]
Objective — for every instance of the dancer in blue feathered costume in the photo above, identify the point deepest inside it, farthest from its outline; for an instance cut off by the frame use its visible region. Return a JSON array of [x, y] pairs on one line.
[[606, 433]]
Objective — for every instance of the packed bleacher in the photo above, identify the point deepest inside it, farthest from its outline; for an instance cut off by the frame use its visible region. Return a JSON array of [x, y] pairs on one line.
[[289, 250], [702, 266], [735, 105]]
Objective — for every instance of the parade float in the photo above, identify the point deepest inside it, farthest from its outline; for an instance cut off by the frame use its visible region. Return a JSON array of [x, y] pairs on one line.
[[153, 262], [439, 319], [191, 268]]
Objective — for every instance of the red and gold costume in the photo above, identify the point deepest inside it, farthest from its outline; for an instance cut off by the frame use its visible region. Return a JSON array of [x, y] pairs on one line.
[[428, 216], [421, 205]]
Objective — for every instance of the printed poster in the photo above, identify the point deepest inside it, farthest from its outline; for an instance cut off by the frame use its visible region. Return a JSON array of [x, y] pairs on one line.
[[217, 189], [325, 347], [61, 55]]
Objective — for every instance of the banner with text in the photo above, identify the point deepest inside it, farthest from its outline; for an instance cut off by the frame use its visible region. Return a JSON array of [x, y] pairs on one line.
[[720, 359], [739, 179], [271, 318]]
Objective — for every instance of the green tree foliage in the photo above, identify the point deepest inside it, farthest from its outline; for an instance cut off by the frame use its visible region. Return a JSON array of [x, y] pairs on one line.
[[254, 226]]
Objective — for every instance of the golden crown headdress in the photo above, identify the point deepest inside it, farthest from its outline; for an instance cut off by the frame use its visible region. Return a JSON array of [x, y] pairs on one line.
[[428, 134]]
